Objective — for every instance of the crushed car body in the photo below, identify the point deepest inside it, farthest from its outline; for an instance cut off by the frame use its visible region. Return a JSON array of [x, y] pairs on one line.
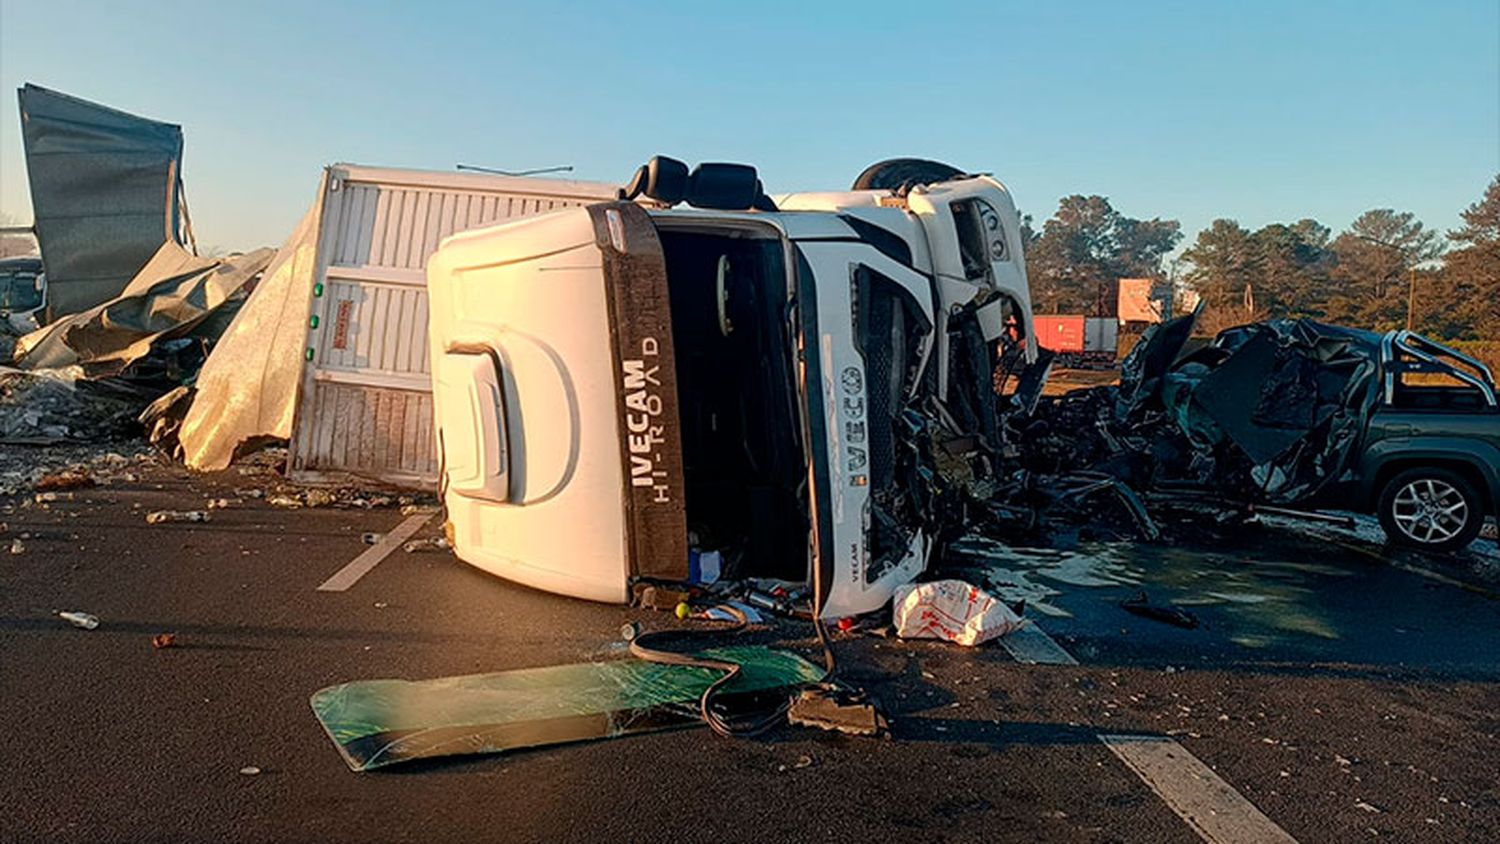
[[1294, 413]]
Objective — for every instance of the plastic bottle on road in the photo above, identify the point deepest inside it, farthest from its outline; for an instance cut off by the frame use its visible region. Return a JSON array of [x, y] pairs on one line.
[[80, 619]]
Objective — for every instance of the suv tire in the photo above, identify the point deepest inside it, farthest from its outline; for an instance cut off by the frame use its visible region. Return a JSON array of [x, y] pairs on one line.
[[1430, 510], [899, 174]]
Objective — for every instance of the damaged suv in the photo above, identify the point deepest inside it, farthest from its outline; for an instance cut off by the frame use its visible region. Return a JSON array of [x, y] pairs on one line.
[[1301, 414], [798, 384]]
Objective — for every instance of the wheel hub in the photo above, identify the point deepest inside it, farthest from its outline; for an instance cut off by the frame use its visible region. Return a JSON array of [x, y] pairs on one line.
[[1430, 511]]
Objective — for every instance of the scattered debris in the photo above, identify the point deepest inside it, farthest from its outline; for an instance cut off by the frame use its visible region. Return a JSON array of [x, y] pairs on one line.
[[70, 478], [731, 611], [52, 497], [17, 546], [217, 504], [629, 630], [164, 640], [661, 598], [1141, 605], [370, 538], [318, 498], [803, 761], [951, 610], [435, 543], [250, 771], [51, 406], [81, 620], [163, 516]]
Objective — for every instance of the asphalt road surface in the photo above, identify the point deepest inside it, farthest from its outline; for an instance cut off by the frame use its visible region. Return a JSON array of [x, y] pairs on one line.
[[1340, 691]]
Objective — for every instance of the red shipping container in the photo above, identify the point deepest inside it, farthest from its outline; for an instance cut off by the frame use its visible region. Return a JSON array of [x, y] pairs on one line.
[[1060, 333]]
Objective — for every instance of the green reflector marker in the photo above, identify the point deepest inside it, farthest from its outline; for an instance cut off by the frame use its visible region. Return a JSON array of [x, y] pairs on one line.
[[318, 289], [309, 353], [314, 321]]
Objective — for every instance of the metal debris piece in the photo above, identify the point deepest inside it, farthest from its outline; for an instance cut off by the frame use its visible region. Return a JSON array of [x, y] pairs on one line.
[[164, 640], [1141, 605], [837, 709], [436, 543], [163, 516]]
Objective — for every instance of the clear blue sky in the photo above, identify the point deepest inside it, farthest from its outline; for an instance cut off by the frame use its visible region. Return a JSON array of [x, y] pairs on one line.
[[1265, 111]]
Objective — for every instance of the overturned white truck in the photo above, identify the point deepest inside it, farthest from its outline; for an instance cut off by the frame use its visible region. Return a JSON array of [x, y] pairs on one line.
[[797, 383]]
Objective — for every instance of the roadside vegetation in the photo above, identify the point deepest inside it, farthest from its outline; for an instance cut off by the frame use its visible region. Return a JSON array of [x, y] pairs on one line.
[[1385, 268]]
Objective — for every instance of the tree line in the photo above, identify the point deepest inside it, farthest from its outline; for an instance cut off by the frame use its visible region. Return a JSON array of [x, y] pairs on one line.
[[1362, 277]]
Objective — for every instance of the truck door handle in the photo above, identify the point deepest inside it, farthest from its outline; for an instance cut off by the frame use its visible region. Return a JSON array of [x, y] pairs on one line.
[[475, 447], [1399, 430]]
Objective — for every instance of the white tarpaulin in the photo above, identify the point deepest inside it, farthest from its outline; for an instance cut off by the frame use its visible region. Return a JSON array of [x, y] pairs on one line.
[[247, 389]]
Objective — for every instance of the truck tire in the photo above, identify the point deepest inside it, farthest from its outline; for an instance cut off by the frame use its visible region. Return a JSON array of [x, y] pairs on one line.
[[898, 173], [1430, 509]]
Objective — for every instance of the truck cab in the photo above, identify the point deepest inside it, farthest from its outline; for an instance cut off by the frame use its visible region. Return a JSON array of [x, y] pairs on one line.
[[23, 294], [798, 384]]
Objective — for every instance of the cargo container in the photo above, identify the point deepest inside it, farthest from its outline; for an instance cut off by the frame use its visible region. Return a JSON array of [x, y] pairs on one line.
[[1079, 342], [1060, 333], [365, 403]]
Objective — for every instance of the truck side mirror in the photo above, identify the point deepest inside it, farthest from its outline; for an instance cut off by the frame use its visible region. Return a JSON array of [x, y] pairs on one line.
[[662, 179], [729, 187]]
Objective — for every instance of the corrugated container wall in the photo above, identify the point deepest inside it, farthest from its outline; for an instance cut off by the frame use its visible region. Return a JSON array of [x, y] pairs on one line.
[[365, 409]]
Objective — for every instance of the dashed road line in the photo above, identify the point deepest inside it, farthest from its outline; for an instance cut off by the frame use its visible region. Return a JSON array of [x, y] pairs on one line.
[[361, 565], [1208, 804], [1033, 646], [1199, 796]]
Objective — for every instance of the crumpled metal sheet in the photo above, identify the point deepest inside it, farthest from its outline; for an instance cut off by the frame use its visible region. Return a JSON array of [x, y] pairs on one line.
[[105, 193], [247, 389], [169, 297], [1292, 395], [380, 722]]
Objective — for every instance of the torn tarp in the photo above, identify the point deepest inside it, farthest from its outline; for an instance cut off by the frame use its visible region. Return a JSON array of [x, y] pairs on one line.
[[247, 389], [106, 192], [170, 297]]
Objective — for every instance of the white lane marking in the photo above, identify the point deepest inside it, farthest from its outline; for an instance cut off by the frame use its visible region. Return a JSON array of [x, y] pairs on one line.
[[361, 565], [1033, 646], [1211, 806]]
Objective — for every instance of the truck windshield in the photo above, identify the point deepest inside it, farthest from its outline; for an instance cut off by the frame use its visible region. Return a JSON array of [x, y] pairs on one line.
[[742, 452]]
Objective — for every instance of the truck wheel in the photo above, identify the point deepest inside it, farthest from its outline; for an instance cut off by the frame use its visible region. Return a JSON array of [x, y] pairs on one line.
[[897, 173], [1430, 510]]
